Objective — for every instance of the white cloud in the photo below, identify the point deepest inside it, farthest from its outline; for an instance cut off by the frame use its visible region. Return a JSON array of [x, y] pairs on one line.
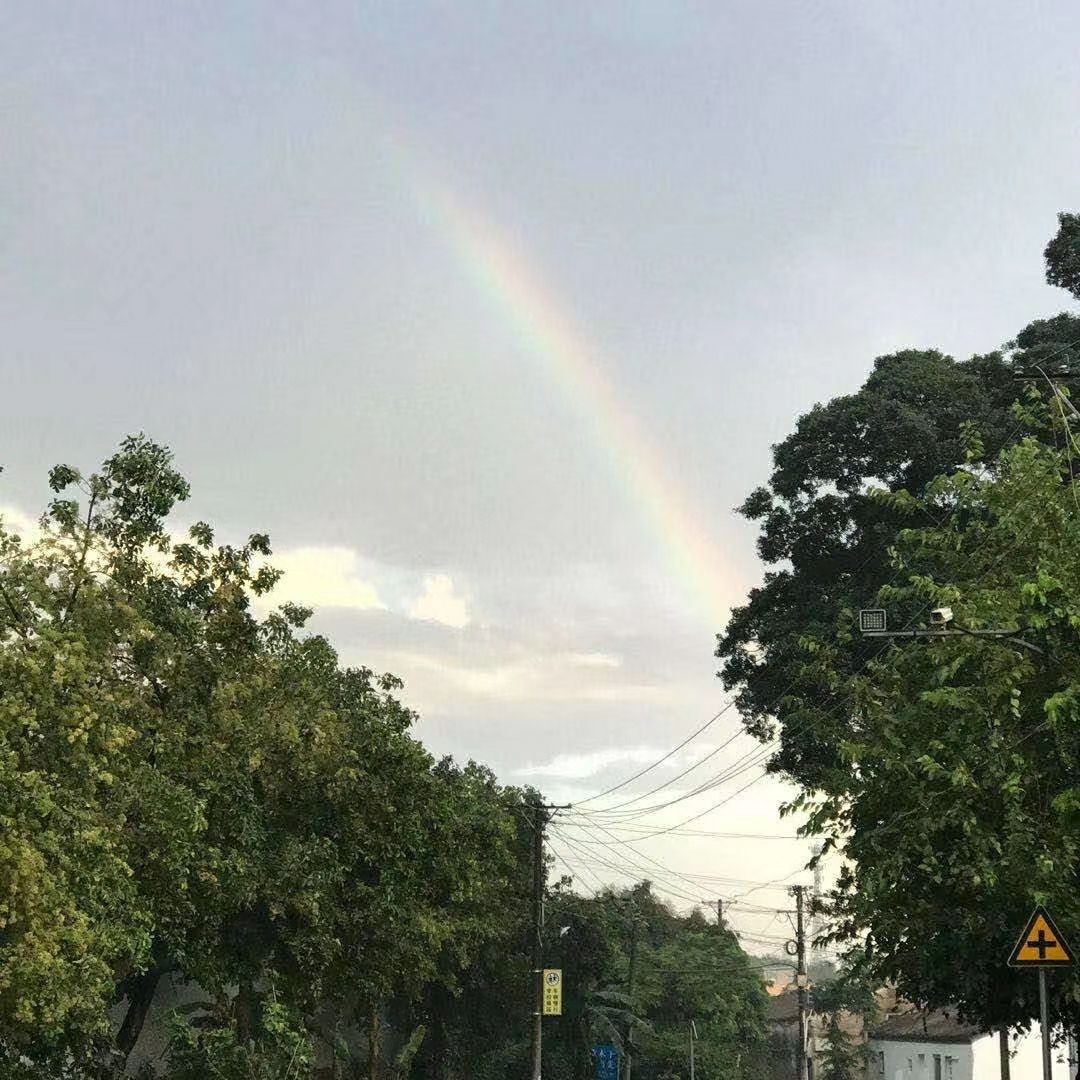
[[594, 660], [536, 677], [582, 766], [14, 520], [323, 577], [440, 603]]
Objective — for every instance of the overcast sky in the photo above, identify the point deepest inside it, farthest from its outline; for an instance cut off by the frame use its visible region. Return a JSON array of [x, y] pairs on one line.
[[489, 313]]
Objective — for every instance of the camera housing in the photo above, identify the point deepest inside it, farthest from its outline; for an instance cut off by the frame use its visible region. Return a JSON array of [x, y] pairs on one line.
[[941, 616]]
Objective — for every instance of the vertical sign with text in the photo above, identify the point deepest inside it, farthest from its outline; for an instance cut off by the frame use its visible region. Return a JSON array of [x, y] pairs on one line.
[[553, 991], [607, 1062]]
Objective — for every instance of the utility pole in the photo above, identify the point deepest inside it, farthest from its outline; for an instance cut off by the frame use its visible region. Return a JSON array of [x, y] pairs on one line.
[[693, 1032], [539, 823], [800, 976], [720, 913], [815, 904], [628, 1056]]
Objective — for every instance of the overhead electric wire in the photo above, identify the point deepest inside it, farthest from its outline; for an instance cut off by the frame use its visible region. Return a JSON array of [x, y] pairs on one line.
[[577, 873], [630, 870], [733, 770], [660, 761], [685, 877], [640, 855], [633, 828], [764, 750], [660, 787]]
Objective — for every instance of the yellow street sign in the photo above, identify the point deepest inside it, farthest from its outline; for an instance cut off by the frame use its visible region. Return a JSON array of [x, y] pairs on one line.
[[553, 991], [1041, 944]]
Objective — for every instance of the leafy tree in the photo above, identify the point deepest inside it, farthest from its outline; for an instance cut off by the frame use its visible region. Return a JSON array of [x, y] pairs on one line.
[[827, 540], [938, 770], [187, 787], [846, 999], [1063, 255], [282, 1050], [960, 808], [685, 969], [840, 1060]]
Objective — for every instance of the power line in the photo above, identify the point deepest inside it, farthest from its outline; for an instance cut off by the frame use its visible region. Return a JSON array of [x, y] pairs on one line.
[[764, 750], [633, 828], [630, 870], [660, 761]]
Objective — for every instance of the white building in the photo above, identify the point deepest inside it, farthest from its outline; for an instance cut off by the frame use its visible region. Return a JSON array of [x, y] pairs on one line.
[[912, 1045]]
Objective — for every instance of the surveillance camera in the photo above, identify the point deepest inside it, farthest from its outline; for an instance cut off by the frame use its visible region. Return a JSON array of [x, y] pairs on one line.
[[941, 616]]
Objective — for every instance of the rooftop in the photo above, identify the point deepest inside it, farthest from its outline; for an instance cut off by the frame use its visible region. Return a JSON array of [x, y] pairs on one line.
[[914, 1025]]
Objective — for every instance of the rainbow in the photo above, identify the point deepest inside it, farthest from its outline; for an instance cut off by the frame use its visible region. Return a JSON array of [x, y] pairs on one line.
[[532, 311]]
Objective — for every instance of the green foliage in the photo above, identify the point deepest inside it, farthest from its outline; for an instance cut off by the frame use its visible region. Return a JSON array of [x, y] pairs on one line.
[[280, 1050], [683, 969], [827, 535], [187, 786], [958, 813], [945, 771], [848, 1007], [1063, 255], [853, 475], [840, 1059]]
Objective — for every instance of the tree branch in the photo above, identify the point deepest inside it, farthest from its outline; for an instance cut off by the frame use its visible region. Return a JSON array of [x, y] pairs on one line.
[[80, 575], [17, 624]]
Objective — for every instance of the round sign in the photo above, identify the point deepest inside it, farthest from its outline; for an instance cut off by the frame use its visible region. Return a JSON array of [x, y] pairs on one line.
[[553, 978]]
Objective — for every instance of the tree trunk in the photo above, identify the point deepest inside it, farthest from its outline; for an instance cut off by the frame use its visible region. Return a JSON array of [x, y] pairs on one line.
[[437, 1049], [1003, 1046], [245, 1011], [374, 1044], [140, 995]]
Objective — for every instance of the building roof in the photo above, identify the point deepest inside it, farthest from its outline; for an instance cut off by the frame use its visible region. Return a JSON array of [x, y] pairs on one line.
[[914, 1025], [784, 1007]]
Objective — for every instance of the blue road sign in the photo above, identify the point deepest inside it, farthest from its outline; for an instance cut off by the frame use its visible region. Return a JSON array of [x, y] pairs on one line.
[[607, 1062]]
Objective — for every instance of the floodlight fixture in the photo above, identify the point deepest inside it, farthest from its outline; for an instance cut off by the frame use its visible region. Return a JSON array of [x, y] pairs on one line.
[[872, 620]]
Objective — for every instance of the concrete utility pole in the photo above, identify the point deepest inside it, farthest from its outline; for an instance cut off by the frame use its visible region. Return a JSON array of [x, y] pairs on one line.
[[539, 823], [798, 892], [628, 1056], [815, 904]]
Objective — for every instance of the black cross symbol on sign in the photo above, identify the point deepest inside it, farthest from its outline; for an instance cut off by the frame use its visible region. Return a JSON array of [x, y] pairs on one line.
[[1042, 943]]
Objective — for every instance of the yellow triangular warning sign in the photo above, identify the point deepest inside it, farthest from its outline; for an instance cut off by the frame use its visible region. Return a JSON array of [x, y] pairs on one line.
[[1041, 944]]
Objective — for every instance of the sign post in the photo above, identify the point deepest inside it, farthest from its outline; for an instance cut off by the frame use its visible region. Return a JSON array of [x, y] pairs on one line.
[[1042, 946]]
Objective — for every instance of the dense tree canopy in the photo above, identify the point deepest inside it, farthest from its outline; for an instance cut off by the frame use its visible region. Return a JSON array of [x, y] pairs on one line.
[[634, 966], [959, 811], [187, 787], [945, 772], [827, 541], [1063, 255], [195, 792]]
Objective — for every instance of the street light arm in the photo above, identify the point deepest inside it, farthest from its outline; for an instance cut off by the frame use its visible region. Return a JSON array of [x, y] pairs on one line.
[[1002, 635]]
